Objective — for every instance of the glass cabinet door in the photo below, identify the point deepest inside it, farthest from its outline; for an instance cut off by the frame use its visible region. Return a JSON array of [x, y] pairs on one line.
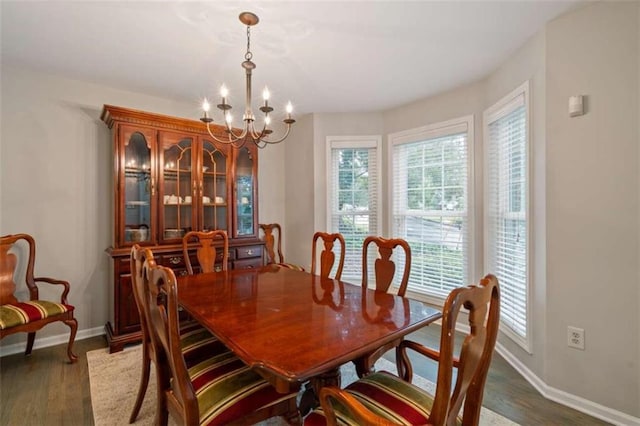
[[177, 187], [213, 188], [137, 185], [245, 193]]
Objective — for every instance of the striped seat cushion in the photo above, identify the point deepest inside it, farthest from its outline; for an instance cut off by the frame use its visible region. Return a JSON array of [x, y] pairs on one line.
[[14, 314], [386, 395], [227, 389], [196, 343], [291, 266]]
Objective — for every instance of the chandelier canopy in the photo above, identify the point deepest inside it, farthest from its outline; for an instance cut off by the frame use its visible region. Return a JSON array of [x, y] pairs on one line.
[[237, 138]]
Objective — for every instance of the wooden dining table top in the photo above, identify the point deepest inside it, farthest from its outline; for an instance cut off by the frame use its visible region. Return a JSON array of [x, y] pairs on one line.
[[292, 325]]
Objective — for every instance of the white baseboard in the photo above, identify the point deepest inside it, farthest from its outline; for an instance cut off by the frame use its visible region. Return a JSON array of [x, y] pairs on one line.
[[577, 403], [45, 342]]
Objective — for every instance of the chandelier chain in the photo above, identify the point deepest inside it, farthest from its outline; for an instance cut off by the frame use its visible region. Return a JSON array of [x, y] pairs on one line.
[[248, 55]]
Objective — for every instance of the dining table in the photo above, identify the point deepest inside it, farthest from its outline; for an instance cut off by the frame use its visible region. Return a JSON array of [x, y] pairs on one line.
[[293, 327]]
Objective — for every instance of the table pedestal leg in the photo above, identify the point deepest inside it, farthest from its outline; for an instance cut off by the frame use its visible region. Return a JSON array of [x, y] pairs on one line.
[[309, 399]]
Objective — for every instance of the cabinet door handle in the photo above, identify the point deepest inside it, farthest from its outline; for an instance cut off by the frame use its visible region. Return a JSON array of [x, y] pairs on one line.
[[249, 252], [153, 186], [175, 260]]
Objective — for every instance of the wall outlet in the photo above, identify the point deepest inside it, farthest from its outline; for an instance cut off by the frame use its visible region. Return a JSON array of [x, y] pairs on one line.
[[575, 337]]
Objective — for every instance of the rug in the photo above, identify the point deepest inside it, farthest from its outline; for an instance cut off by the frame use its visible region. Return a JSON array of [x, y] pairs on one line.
[[114, 380]]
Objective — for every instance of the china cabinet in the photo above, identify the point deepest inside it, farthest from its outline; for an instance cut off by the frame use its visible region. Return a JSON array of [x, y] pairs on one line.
[[170, 178]]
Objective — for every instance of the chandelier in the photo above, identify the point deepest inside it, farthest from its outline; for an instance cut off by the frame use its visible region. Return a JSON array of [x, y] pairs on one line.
[[238, 138]]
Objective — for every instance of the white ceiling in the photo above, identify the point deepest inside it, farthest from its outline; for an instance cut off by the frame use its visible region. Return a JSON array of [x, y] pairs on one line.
[[325, 56]]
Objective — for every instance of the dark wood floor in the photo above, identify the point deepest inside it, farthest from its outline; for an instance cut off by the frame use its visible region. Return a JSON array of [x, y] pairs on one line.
[[44, 389]]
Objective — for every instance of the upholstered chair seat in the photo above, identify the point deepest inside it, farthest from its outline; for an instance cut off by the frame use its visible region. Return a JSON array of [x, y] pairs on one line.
[[403, 402], [227, 389], [20, 313]]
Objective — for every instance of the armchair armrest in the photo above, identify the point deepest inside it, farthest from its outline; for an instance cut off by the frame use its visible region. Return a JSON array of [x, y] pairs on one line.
[[359, 412], [404, 364], [65, 284]]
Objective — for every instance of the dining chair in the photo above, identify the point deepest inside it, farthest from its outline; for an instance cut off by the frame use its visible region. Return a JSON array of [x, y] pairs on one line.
[[31, 315], [195, 341], [219, 389], [384, 269], [273, 242], [383, 398], [206, 251], [327, 256]]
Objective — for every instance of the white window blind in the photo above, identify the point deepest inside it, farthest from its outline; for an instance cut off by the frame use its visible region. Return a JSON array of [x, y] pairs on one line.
[[353, 196], [430, 183], [506, 207]]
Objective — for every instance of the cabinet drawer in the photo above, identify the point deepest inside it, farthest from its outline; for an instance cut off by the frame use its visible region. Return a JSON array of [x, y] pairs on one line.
[[123, 265], [173, 261], [249, 252], [248, 263]]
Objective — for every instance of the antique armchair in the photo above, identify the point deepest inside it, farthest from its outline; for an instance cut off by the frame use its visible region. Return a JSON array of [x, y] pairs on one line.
[[206, 251], [273, 242], [195, 341], [217, 390], [384, 269], [383, 398], [30, 316]]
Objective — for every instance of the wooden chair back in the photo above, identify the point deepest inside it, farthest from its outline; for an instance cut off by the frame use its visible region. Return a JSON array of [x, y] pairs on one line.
[[161, 303], [384, 266], [327, 256], [272, 242], [482, 302], [206, 251], [25, 322], [8, 264], [138, 257], [387, 397]]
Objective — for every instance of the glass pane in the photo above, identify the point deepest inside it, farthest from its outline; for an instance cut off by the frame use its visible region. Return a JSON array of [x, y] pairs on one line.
[[177, 190], [244, 191], [137, 189], [214, 191]]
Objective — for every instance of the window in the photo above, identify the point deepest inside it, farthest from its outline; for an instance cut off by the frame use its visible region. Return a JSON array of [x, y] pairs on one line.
[[430, 182], [353, 195], [506, 208]]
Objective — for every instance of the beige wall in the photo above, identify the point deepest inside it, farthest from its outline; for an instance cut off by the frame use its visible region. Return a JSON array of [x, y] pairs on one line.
[[592, 205], [585, 190], [56, 175]]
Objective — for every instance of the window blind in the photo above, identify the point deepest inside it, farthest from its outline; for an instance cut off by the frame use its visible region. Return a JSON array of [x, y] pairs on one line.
[[506, 211], [430, 208], [353, 199]]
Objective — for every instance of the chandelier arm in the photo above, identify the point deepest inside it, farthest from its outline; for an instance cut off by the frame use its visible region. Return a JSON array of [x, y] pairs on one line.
[[281, 139], [234, 137], [215, 138]]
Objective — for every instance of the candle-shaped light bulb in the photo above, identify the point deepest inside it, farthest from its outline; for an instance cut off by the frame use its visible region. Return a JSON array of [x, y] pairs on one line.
[[206, 106], [228, 118], [265, 94], [224, 92], [289, 107], [267, 120]]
